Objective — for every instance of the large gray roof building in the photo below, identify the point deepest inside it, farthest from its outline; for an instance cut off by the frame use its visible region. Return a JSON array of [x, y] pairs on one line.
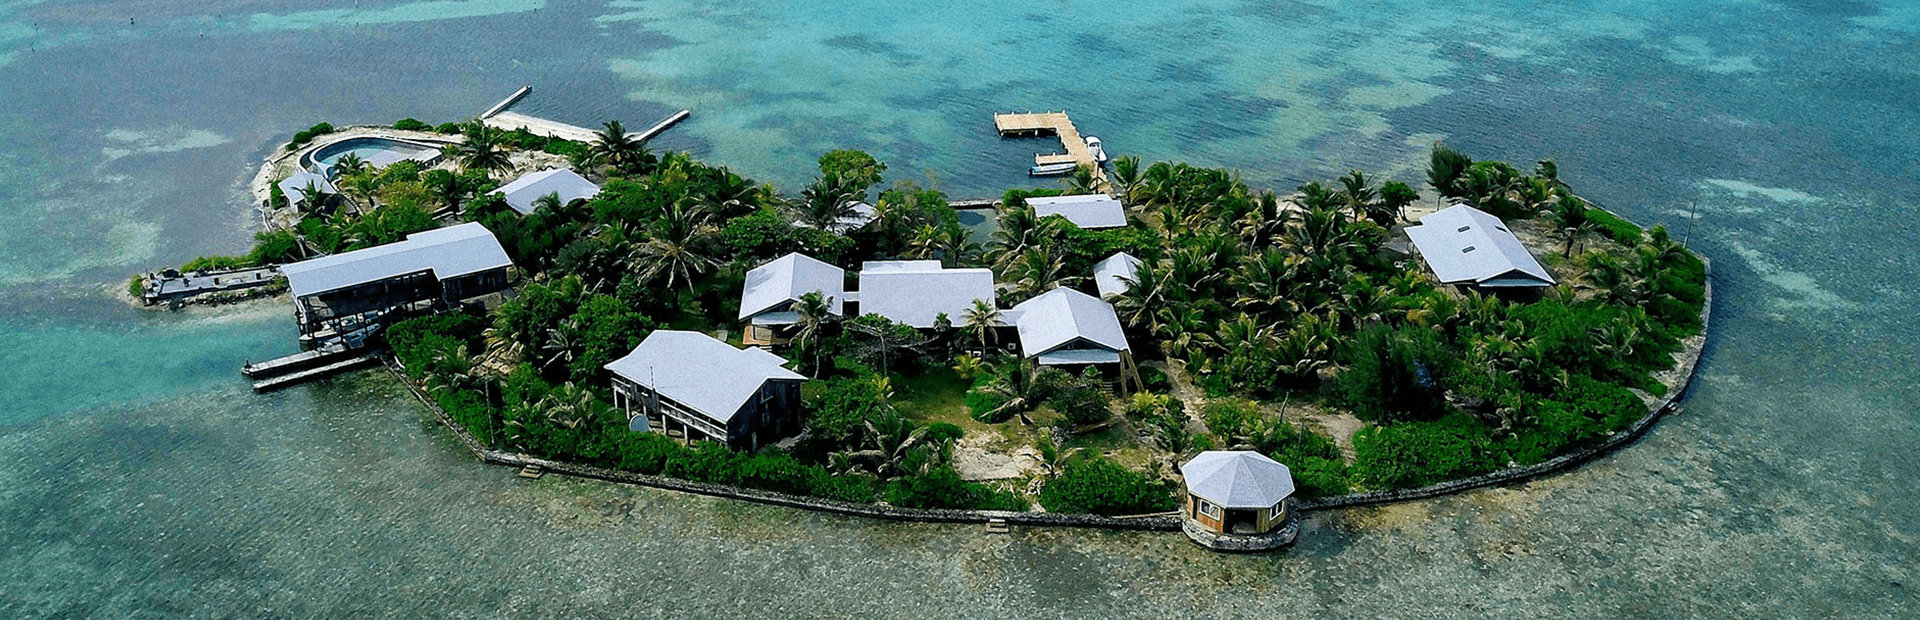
[[447, 253], [522, 192], [1111, 276], [1467, 246], [1085, 211], [772, 289], [1238, 479], [916, 292], [1065, 326], [700, 373]]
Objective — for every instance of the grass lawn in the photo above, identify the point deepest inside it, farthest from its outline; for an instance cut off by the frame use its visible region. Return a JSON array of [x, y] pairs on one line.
[[937, 395]]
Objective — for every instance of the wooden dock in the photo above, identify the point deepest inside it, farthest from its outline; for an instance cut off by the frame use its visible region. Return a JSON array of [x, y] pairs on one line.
[[499, 118], [267, 385], [1056, 123]]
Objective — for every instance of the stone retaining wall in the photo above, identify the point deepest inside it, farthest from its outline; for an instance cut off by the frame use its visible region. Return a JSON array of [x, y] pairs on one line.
[[1167, 523], [1688, 364]]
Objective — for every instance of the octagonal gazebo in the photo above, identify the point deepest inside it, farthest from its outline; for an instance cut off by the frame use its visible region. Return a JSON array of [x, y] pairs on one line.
[[1238, 500]]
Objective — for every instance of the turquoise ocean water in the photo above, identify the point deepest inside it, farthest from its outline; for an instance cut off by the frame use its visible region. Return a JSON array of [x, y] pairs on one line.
[[140, 478]]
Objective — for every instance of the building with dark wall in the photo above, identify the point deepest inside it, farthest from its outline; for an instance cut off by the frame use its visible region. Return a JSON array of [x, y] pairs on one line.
[[431, 268], [702, 388]]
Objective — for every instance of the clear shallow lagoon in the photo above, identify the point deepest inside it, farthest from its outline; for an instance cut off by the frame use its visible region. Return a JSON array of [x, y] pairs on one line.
[[142, 478]]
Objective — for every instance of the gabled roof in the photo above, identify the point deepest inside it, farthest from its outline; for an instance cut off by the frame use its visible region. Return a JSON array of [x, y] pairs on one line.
[[1238, 479], [1111, 276], [699, 372], [1063, 317], [291, 186], [522, 192], [1464, 245], [785, 279], [447, 252], [1085, 211], [916, 292]]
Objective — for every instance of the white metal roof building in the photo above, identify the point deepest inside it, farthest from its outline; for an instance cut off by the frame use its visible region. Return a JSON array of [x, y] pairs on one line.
[[447, 252], [1238, 479], [1111, 276], [772, 289], [1085, 211], [1464, 245], [916, 292], [1065, 326], [700, 373], [522, 192], [291, 187]]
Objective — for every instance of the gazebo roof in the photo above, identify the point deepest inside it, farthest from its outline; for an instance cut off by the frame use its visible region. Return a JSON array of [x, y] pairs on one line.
[[1238, 479]]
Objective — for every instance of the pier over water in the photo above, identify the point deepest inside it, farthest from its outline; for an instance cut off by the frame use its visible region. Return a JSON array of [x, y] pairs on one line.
[[1056, 123]]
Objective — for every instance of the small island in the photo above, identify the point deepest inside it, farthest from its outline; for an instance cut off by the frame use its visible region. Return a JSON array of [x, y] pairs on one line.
[[1158, 342]]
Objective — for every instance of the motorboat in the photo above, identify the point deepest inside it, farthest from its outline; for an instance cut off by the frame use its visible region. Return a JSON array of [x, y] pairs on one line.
[[1051, 170], [1093, 146]]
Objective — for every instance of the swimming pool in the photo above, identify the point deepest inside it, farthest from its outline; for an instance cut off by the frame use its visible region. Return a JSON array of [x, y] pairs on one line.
[[376, 150]]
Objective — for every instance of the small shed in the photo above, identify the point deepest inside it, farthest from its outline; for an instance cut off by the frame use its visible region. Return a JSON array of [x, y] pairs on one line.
[[1068, 327], [701, 387], [524, 191], [1237, 492], [1468, 247], [1113, 275], [917, 292], [1085, 210]]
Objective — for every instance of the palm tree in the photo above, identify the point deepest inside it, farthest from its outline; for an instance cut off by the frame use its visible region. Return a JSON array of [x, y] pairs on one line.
[[675, 248], [549, 203], [826, 202], [350, 163], [948, 242], [1016, 382], [891, 439], [1615, 282], [562, 344], [1036, 271], [1146, 294], [1052, 458], [1081, 181], [814, 311], [980, 321], [1264, 222], [451, 189], [612, 144], [482, 149], [311, 198], [1570, 221], [362, 185], [1444, 170], [1126, 174], [1020, 228]]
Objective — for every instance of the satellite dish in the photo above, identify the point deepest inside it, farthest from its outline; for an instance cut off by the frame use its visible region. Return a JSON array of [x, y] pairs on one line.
[[639, 424]]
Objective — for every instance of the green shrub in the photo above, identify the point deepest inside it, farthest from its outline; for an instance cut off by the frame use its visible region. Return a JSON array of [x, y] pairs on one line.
[[1612, 227], [942, 487], [1100, 486], [411, 124], [448, 128], [309, 134], [1414, 454], [1394, 375], [270, 248], [1318, 477], [1081, 405], [137, 287], [1155, 380], [216, 263], [1230, 417]]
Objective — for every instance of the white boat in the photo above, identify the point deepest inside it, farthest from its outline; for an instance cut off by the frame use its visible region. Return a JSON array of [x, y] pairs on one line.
[[1093, 146], [1051, 170]]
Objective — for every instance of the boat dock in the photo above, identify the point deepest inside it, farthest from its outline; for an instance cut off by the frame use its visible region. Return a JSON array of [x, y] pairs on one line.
[[499, 118], [1014, 124], [306, 365], [169, 285]]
